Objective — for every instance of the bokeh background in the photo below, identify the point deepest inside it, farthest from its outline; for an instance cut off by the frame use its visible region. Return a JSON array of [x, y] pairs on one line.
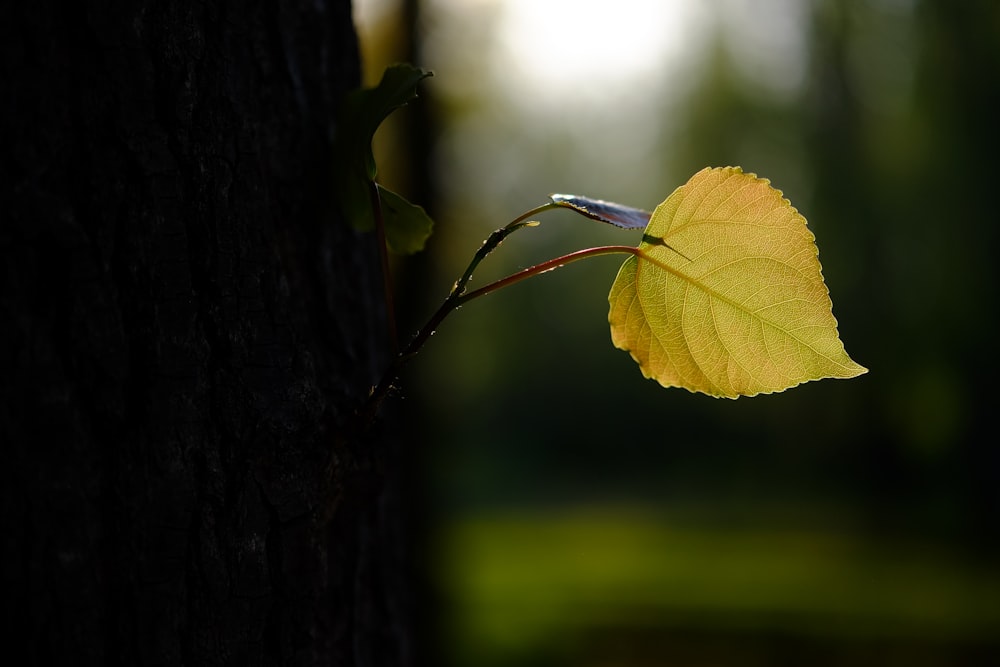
[[581, 515]]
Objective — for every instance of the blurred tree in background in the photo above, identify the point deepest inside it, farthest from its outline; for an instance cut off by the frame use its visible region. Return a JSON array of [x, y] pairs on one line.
[[587, 515]]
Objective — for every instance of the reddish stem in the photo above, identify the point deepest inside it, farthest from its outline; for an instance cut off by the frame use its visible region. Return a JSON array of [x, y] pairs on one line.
[[546, 266], [458, 298]]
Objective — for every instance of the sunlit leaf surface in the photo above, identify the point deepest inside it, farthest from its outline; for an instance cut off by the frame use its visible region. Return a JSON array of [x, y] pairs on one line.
[[727, 297]]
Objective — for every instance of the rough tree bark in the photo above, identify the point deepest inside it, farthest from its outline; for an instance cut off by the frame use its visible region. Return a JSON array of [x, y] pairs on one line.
[[185, 329]]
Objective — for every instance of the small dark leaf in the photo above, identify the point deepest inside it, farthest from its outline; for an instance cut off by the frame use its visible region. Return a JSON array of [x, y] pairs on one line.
[[618, 215], [407, 226], [368, 107], [360, 117]]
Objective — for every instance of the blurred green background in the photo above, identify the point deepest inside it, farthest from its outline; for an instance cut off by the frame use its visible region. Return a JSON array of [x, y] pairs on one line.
[[581, 515]]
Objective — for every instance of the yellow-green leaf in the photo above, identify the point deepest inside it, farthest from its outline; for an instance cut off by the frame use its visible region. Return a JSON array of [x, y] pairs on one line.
[[727, 296]]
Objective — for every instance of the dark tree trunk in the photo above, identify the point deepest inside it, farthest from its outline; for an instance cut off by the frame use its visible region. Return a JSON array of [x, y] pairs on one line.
[[186, 326]]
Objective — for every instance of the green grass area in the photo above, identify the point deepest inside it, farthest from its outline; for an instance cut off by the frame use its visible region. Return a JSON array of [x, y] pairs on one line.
[[520, 584]]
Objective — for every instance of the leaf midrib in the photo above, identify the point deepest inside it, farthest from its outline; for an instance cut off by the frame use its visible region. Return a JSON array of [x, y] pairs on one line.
[[716, 295]]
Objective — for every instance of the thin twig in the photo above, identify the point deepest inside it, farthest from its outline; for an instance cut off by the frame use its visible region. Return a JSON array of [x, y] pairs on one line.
[[458, 297]]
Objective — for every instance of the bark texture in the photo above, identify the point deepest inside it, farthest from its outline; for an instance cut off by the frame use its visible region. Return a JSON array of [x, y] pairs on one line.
[[185, 329]]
